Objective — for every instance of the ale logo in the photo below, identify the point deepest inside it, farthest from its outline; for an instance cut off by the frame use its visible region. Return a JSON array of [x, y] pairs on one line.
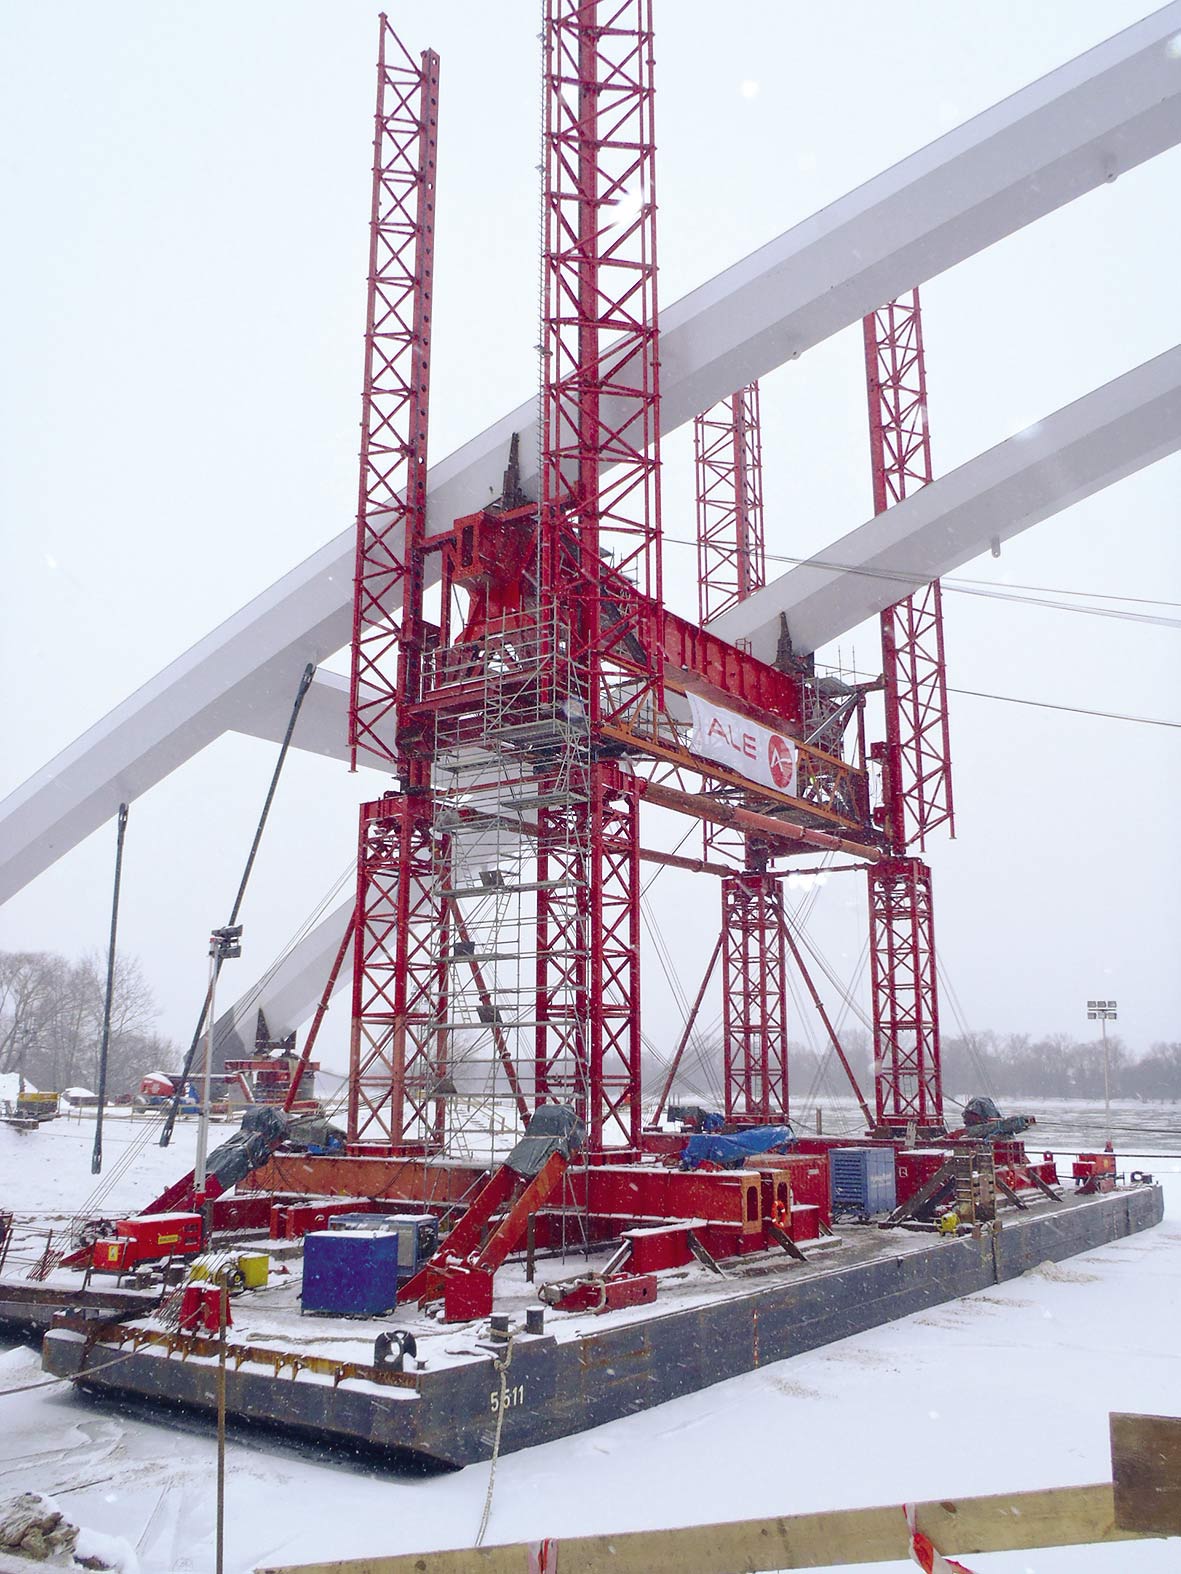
[[779, 761]]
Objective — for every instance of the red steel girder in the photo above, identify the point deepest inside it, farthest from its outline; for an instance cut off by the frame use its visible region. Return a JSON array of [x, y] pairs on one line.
[[754, 997], [917, 753], [731, 548], [387, 635], [907, 1075]]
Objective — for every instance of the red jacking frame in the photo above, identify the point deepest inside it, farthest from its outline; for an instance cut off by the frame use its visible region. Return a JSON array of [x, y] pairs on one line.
[[600, 503], [754, 998], [402, 925], [916, 755], [731, 548], [907, 1078]]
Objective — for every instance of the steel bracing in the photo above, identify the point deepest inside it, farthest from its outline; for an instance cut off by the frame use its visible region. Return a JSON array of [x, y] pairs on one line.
[[396, 1057], [731, 549], [754, 998], [598, 549], [915, 757], [907, 1079], [391, 507]]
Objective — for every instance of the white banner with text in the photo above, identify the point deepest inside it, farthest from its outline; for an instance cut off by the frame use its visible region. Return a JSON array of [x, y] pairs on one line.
[[742, 745]]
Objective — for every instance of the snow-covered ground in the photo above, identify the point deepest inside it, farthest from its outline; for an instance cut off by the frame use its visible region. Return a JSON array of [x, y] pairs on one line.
[[1007, 1390]]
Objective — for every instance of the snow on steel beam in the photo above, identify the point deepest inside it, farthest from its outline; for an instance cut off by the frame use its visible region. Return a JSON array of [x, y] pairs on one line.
[[1120, 428], [1077, 128]]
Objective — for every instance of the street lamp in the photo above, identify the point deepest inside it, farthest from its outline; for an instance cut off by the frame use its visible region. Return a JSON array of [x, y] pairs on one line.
[[1103, 1012]]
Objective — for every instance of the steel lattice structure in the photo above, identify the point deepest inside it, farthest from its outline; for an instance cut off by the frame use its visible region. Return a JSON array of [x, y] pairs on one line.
[[754, 998], [916, 755], [908, 1082], [391, 507], [731, 547], [599, 543], [401, 931]]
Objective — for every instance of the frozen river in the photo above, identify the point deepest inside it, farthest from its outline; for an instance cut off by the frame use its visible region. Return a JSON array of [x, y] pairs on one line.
[[1006, 1390]]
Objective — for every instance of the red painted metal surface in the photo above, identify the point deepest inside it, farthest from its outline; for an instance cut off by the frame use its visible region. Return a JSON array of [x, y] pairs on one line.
[[905, 998], [398, 1054], [731, 550], [599, 579], [754, 998], [600, 441], [396, 1057], [916, 755], [391, 509]]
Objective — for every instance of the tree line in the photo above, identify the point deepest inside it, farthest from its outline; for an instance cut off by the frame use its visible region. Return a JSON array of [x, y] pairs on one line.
[[51, 1013], [1005, 1066]]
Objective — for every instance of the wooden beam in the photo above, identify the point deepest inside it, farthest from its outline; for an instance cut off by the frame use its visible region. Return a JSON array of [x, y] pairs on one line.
[[1058, 1517], [1146, 1470]]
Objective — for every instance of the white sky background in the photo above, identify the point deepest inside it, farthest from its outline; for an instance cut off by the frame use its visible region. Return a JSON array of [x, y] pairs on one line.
[[185, 196]]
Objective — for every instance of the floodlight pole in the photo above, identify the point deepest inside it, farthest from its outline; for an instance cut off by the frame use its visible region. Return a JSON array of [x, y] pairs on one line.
[[1103, 1012]]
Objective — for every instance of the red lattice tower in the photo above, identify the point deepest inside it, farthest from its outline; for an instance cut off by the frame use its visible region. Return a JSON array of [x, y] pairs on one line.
[[402, 929], [732, 564], [916, 755], [754, 997], [731, 549], [599, 543]]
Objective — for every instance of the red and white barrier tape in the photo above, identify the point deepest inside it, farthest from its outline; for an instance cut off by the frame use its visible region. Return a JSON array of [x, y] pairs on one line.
[[543, 1556], [923, 1551]]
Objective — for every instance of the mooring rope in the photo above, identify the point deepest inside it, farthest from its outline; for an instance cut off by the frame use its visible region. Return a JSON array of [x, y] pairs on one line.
[[502, 1365]]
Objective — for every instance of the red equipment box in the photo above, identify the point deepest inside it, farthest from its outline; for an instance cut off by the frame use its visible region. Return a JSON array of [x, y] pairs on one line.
[[467, 1295], [660, 1246], [290, 1221], [200, 1307], [147, 1239], [809, 1179]]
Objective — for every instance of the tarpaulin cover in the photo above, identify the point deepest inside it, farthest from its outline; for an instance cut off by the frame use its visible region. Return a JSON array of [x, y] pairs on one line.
[[732, 1151]]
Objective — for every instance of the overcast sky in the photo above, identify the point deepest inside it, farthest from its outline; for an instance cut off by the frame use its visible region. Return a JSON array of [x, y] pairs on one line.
[[185, 196]]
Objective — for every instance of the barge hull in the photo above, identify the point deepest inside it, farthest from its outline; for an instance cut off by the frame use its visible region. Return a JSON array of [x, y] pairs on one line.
[[557, 1387]]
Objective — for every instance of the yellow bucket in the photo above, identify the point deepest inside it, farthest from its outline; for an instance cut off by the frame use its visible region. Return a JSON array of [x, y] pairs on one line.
[[254, 1268], [199, 1270]]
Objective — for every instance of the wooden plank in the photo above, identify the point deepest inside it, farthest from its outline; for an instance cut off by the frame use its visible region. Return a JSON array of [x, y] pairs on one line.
[[1146, 1470], [1058, 1517]]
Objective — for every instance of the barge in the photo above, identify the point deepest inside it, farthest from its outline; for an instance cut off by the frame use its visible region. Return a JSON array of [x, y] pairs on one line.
[[471, 1382]]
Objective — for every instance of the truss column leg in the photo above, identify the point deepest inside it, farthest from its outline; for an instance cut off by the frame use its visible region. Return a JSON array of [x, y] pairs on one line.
[[754, 998], [907, 1078], [397, 1053]]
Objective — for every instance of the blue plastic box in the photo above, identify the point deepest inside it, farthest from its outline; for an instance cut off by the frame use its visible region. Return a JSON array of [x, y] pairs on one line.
[[862, 1181], [350, 1273]]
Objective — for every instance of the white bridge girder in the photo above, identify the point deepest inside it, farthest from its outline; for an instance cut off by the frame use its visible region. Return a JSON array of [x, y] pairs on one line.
[[1094, 118]]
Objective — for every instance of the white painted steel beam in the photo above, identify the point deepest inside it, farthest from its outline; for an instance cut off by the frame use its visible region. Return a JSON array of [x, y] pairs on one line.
[[1101, 114], [1091, 444], [1120, 428]]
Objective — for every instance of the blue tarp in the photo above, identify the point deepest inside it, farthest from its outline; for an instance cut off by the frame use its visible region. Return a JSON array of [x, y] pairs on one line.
[[732, 1151]]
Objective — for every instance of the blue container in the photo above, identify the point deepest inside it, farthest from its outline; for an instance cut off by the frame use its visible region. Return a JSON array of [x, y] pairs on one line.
[[350, 1273], [418, 1235], [862, 1181]]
